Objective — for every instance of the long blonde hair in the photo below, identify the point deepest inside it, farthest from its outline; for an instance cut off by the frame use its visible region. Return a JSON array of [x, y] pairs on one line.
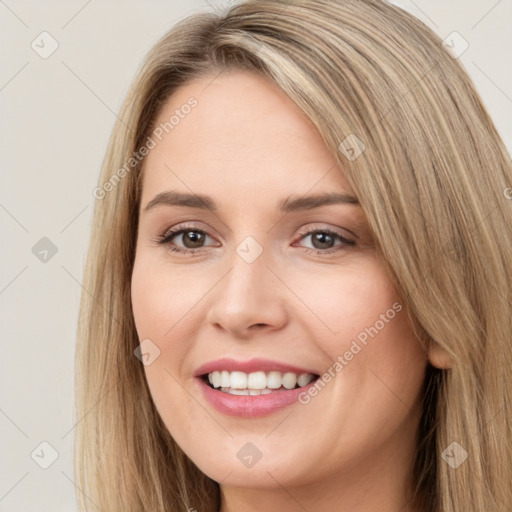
[[432, 181]]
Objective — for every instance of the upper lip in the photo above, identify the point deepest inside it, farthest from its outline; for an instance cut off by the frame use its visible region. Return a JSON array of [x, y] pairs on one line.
[[249, 366]]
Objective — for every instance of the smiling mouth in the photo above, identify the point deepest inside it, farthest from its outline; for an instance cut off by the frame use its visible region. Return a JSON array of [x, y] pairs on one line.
[[256, 383]]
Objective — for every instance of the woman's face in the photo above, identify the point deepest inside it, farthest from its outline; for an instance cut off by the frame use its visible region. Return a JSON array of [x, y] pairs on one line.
[[267, 285]]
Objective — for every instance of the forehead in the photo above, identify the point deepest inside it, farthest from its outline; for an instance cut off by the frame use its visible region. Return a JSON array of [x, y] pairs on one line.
[[242, 134]]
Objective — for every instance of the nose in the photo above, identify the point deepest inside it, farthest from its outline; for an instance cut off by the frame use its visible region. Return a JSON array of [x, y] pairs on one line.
[[249, 299]]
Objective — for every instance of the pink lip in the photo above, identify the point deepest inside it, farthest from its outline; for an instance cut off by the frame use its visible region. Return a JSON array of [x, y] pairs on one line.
[[247, 406], [252, 365]]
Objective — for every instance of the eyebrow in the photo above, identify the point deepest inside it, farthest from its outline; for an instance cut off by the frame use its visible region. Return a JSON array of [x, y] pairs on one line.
[[172, 198]]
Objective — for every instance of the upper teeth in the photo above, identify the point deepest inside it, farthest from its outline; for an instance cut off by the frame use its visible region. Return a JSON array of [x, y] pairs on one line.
[[258, 380]]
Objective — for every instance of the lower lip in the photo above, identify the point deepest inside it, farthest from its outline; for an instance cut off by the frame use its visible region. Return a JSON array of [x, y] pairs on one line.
[[251, 406]]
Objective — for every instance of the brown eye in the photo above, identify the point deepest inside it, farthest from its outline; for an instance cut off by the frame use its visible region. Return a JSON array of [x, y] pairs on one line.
[[193, 239], [325, 241], [322, 240]]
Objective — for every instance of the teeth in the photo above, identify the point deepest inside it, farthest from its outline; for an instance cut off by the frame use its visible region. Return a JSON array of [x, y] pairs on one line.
[[257, 380], [256, 383], [234, 391], [274, 380], [224, 379], [238, 380], [252, 392], [289, 380], [216, 379], [303, 379]]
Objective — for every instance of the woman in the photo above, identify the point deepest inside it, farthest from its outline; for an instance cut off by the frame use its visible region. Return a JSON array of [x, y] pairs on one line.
[[298, 286]]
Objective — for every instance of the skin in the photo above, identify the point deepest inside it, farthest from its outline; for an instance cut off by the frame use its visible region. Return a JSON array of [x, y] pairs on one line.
[[248, 146]]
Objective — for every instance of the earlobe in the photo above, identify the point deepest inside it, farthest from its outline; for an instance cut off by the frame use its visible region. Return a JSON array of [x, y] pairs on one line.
[[439, 357]]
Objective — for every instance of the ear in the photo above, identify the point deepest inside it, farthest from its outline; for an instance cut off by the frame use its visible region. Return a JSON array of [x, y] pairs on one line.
[[438, 356]]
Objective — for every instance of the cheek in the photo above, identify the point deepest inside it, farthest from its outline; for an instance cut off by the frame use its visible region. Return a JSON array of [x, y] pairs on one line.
[[373, 352], [160, 302], [166, 304], [159, 312], [347, 300], [162, 299]]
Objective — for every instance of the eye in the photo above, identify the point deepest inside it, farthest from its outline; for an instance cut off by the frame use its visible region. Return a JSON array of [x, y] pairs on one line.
[[324, 241], [191, 237]]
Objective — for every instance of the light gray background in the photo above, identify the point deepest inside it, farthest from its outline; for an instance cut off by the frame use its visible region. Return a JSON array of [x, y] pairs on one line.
[[56, 117]]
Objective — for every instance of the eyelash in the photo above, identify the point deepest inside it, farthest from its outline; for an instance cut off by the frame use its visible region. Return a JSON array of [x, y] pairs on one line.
[[168, 235]]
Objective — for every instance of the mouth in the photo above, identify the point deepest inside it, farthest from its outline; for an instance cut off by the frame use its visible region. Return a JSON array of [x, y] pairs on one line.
[[253, 388], [256, 383]]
